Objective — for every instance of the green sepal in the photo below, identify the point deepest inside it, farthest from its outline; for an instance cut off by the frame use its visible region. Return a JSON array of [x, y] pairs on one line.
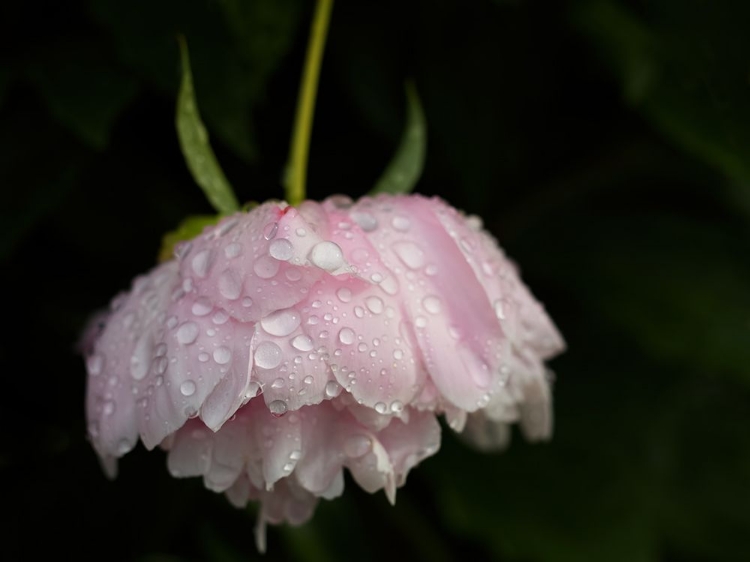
[[405, 167]]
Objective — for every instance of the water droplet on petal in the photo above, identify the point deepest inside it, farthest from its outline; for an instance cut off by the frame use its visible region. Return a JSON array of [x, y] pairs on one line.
[[278, 407], [302, 343], [187, 388], [202, 306], [229, 285], [420, 322], [327, 255], [201, 263], [499, 309], [374, 304], [357, 446], [278, 383], [269, 231], [281, 249], [232, 250], [268, 355], [187, 333], [222, 355], [308, 379], [182, 249], [108, 408], [344, 294], [366, 221], [220, 317], [381, 408], [346, 336], [397, 407], [247, 302], [282, 322], [266, 267], [160, 365], [400, 223], [95, 364], [431, 304], [409, 253], [333, 389]]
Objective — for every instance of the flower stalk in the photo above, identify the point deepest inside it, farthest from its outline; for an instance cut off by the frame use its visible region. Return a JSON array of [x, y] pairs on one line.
[[300, 144]]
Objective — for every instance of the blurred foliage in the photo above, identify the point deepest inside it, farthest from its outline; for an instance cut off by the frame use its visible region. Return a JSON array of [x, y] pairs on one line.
[[605, 142]]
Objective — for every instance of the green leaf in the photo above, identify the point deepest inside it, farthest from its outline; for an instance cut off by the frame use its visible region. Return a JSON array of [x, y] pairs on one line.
[[186, 230], [405, 168], [82, 89], [235, 48], [193, 137]]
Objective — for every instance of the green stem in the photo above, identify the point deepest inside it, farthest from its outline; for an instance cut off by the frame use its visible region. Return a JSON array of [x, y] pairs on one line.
[[297, 165]]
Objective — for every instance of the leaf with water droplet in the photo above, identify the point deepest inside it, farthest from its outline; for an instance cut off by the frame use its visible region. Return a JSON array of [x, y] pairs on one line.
[[405, 167], [188, 229], [194, 143]]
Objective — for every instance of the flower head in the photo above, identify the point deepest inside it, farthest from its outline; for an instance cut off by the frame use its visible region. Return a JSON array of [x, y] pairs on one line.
[[286, 344]]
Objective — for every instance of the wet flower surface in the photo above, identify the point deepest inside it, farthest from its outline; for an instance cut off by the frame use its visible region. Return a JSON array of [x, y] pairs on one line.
[[286, 344]]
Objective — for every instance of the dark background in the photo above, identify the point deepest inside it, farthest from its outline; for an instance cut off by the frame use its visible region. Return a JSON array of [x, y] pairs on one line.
[[605, 142]]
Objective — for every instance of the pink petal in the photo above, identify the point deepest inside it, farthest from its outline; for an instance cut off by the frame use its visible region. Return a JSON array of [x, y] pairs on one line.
[[121, 357]]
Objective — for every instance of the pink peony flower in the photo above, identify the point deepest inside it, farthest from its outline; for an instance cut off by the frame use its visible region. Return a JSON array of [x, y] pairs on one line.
[[286, 344]]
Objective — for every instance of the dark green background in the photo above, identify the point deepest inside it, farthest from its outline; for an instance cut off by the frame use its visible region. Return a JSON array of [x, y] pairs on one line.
[[605, 142]]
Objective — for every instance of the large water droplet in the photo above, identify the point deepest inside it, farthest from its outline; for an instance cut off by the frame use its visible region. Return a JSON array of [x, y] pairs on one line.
[[187, 333], [222, 355], [333, 389], [202, 306], [400, 223], [220, 317], [229, 285], [282, 322], [232, 250], [266, 267], [302, 343], [201, 263], [278, 407], [187, 388], [269, 231], [160, 365], [390, 285], [268, 355], [409, 253], [346, 336], [357, 446], [344, 294], [381, 408], [278, 383], [374, 304], [281, 249], [366, 221], [327, 255], [431, 304], [397, 407]]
